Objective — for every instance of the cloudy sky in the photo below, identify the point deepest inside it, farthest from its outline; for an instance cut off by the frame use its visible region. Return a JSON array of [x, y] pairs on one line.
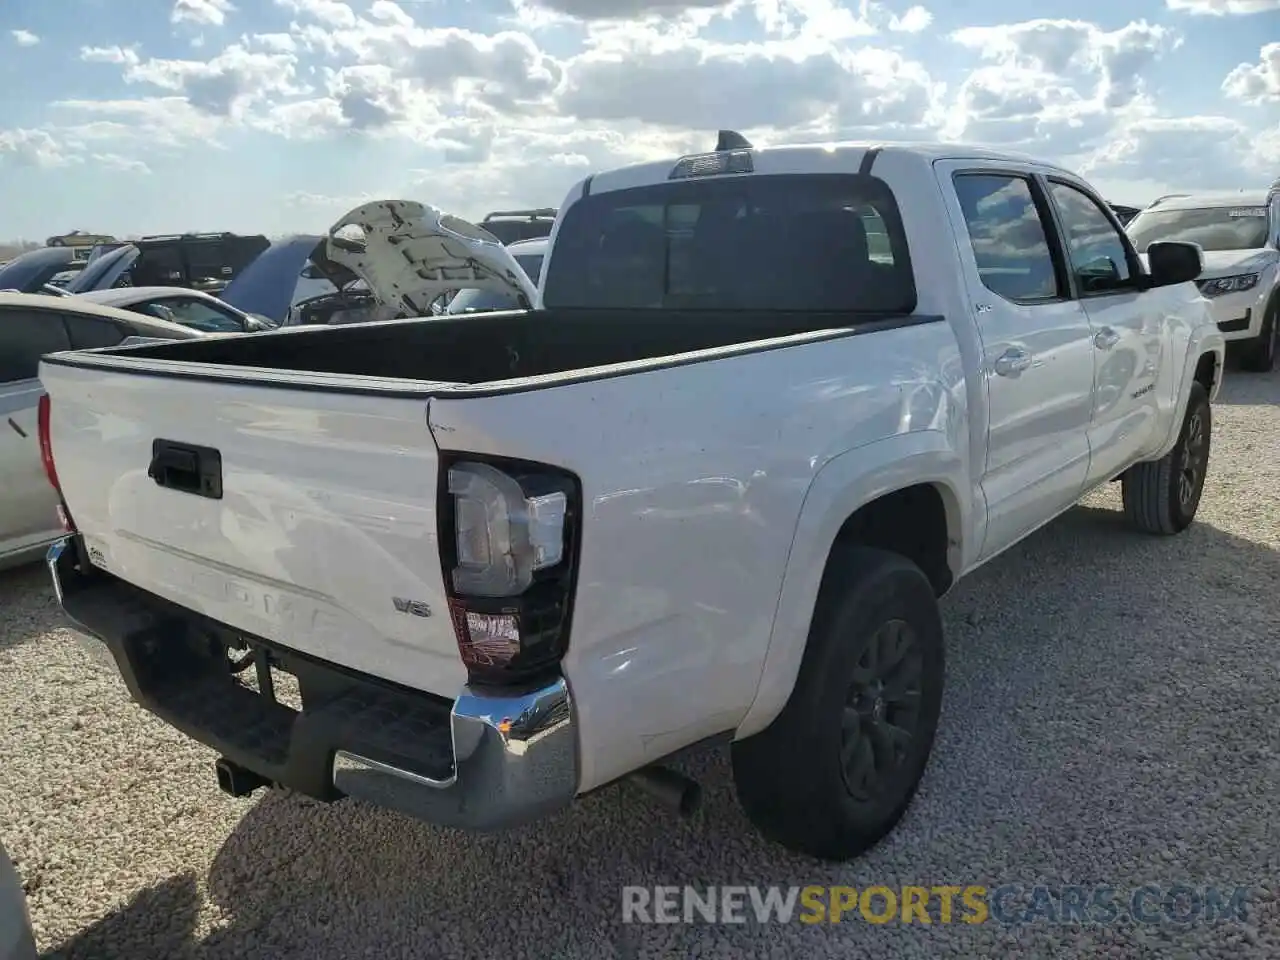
[[128, 116]]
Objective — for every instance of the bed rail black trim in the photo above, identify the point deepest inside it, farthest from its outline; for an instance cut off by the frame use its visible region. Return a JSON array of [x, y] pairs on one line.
[[402, 389]]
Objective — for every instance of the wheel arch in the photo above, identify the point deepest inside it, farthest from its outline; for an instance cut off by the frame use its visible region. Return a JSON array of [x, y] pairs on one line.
[[903, 495]]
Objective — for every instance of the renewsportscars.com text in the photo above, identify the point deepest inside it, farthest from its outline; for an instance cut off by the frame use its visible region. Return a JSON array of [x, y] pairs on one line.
[[1008, 904]]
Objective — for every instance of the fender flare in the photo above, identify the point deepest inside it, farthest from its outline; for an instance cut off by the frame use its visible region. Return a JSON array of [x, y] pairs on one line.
[[1204, 339], [839, 489]]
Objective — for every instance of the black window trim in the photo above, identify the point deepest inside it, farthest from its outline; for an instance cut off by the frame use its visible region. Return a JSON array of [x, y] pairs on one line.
[[899, 242], [1135, 283], [1054, 240]]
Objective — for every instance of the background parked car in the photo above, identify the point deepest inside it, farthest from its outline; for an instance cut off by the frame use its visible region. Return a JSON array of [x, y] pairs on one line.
[[190, 308], [293, 283], [1239, 233], [29, 272], [32, 325], [529, 254], [512, 226], [1124, 213], [200, 261]]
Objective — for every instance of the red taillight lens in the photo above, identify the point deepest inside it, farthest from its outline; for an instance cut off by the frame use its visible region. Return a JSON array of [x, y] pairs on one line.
[[46, 445], [46, 457]]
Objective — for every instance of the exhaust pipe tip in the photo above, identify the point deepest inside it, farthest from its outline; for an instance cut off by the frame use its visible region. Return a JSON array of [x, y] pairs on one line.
[[235, 780], [673, 790]]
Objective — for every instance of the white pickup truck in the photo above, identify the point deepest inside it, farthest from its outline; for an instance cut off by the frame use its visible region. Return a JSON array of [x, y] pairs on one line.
[[767, 407]]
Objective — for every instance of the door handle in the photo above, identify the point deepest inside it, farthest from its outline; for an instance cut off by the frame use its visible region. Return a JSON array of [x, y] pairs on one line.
[[1106, 338], [1012, 362]]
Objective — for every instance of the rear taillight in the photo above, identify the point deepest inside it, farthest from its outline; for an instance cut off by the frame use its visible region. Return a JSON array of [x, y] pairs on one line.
[[46, 445], [46, 457], [508, 541]]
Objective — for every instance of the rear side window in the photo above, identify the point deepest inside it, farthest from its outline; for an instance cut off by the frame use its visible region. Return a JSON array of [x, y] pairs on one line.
[[830, 243], [90, 332], [25, 337], [1009, 238]]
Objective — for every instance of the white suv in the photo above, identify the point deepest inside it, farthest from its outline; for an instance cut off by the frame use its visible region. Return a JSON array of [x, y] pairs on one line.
[[1240, 236]]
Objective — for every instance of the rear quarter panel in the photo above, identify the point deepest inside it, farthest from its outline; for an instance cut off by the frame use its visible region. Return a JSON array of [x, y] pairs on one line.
[[694, 477]]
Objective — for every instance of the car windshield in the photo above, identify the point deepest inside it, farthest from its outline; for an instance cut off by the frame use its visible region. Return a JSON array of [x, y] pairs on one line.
[[725, 243], [1214, 228], [484, 301]]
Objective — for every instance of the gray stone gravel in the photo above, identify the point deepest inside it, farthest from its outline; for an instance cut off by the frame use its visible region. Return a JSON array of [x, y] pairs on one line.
[[1110, 718]]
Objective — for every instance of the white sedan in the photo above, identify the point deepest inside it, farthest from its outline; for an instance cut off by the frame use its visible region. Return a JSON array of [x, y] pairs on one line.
[[190, 308]]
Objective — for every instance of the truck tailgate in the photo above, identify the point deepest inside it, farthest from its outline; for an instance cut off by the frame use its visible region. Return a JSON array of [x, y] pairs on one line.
[[323, 539]]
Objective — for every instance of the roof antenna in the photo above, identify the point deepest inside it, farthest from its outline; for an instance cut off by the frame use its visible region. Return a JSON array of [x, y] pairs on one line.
[[732, 140]]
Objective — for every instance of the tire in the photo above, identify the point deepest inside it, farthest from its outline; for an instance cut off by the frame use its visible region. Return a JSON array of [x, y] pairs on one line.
[[1260, 354], [1156, 499], [791, 778]]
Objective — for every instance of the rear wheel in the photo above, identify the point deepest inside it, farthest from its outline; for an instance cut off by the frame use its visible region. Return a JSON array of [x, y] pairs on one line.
[[1260, 355], [838, 768], [1162, 496]]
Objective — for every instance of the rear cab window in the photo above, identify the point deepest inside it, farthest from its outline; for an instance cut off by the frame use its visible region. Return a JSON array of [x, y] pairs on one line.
[[786, 242]]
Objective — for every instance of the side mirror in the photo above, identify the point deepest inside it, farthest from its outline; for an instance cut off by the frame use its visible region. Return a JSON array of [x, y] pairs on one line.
[[1174, 261], [260, 323]]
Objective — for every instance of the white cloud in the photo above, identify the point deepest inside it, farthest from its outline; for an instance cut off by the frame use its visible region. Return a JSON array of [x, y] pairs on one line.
[[1113, 59], [31, 148], [114, 161], [1202, 152], [161, 123], [1219, 8], [225, 85], [703, 86], [24, 38], [331, 13], [212, 13], [1256, 83], [117, 54], [626, 9], [914, 20], [533, 94], [274, 42]]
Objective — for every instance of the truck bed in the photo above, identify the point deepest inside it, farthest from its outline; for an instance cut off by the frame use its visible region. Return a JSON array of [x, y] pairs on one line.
[[507, 345]]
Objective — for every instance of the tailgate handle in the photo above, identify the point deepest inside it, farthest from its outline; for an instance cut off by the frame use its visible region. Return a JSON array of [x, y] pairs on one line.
[[186, 468]]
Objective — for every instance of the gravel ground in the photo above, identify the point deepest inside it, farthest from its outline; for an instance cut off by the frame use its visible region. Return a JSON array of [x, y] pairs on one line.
[[1109, 719]]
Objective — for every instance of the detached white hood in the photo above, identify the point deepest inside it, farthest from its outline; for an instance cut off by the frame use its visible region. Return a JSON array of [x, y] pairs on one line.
[[1229, 263], [409, 253]]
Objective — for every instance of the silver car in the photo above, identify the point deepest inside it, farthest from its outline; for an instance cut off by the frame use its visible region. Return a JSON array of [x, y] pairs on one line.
[[32, 325], [17, 942]]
